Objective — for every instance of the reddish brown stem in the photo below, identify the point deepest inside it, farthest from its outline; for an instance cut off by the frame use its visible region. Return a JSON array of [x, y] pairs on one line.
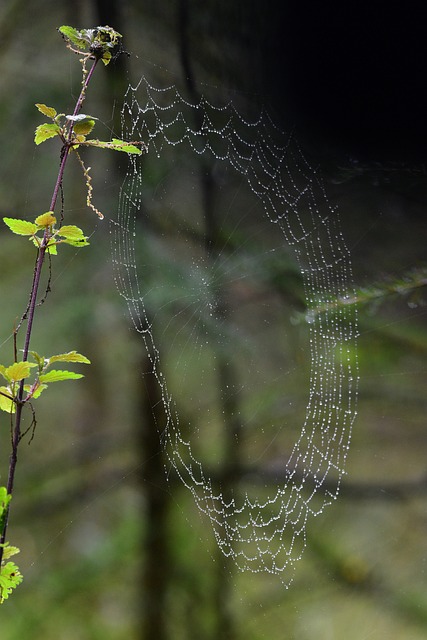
[[16, 432]]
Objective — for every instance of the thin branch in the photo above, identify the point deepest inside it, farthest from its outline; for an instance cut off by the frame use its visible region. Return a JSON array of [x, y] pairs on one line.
[[16, 433]]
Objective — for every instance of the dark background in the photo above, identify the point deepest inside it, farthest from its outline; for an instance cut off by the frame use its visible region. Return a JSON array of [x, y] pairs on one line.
[[109, 547], [354, 74]]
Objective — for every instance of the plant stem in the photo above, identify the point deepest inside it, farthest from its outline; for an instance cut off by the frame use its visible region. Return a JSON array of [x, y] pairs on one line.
[[67, 145], [16, 432]]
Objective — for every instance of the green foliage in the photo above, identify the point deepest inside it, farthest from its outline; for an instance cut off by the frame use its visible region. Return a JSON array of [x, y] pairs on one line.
[[73, 36], [83, 124], [56, 376], [116, 145], [71, 356], [46, 131], [21, 370], [10, 576], [50, 112], [21, 227], [6, 400], [49, 130], [74, 130], [43, 233], [96, 43], [25, 380], [5, 499], [17, 371]]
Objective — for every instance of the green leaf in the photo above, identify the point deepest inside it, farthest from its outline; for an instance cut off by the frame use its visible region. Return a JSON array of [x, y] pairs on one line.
[[6, 403], [116, 145], [50, 112], [8, 550], [71, 356], [45, 219], [70, 232], [79, 139], [58, 375], [73, 235], [18, 371], [73, 36], [34, 393], [21, 227], [5, 498], [39, 359], [83, 128], [46, 131], [51, 248], [107, 36], [77, 243], [10, 578], [106, 57], [83, 124], [38, 390]]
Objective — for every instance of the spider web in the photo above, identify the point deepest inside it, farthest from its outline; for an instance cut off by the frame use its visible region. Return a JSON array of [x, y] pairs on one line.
[[259, 512]]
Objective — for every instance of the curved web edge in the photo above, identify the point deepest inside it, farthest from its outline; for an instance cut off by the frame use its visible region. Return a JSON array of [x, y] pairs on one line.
[[269, 533]]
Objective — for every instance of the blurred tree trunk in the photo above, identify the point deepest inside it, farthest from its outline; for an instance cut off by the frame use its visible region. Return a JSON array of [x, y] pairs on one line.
[[226, 373], [155, 575], [156, 571]]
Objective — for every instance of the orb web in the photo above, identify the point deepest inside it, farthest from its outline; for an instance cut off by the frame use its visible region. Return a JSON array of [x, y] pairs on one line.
[[260, 516]]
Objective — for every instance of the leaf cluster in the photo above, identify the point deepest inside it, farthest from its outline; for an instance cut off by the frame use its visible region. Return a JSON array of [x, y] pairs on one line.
[[10, 576], [43, 232], [96, 43], [19, 371], [74, 130], [25, 380]]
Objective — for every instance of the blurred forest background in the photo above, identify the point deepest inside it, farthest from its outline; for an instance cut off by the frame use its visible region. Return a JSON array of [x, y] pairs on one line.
[[110, 547]]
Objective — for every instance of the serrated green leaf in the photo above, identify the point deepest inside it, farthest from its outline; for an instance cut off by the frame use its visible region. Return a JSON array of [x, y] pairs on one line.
[[9, 551], [83, 128], [71, 232], [19, 370], [58, 375], [46, 131], [38, 358], [35, 392], [83, 124], [10, 578], [5, 498], [45, 219], [71, 356], [115, 145], [39, 390], [77, 243], [2, 371], [21, 227], [50, 112], [108, 36], [73, 36], [6, 403]]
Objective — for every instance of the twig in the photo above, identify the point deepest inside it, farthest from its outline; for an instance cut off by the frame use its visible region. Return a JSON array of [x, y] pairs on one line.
[[16, 432]]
